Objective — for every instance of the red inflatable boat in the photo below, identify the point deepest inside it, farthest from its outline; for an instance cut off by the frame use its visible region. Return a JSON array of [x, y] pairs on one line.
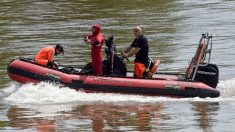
[[200, 79]]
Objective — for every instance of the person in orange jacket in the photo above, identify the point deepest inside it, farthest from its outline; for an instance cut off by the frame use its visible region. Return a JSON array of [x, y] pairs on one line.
[[96, 40], [46, 54]]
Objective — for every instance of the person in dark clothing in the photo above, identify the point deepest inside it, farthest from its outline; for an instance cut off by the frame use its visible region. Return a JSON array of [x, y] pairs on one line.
[[141, 49]]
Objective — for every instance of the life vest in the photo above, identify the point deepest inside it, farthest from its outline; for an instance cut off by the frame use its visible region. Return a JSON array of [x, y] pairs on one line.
[[44, 55]]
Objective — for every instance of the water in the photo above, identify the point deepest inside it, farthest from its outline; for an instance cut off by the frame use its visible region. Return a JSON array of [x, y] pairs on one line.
[[173, 29]]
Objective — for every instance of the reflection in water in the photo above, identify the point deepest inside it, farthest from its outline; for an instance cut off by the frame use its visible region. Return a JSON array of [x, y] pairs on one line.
[[45, 125], [205, 114], [137, 117], [26, 119], [102, 117]]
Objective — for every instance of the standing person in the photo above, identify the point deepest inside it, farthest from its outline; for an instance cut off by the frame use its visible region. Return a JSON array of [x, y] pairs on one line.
[[46, 54], [141, 49], [96, 40]]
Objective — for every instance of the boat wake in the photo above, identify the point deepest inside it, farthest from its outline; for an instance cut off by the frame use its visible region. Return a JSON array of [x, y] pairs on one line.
[[227, 89], [8, 91], [46, 93]]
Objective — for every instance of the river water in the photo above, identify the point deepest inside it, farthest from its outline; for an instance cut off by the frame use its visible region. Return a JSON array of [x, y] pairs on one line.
[[173, 29]]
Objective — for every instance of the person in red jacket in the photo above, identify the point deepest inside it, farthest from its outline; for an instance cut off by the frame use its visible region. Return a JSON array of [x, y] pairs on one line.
[[96, 40], [46, 54]]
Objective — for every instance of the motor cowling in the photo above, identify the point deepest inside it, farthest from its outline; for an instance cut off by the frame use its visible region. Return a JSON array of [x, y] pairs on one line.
[[208, 74]]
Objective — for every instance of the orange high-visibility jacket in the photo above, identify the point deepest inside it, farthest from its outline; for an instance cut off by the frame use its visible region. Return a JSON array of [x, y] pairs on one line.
[[44, 55]]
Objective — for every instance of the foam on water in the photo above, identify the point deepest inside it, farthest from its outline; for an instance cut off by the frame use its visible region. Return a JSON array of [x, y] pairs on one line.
[[45, 93], [227, 89]]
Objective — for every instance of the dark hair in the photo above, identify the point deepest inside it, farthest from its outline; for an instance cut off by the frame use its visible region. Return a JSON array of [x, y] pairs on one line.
[[60, 48]]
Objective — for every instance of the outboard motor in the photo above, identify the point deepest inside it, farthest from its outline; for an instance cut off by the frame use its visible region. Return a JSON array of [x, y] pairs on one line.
[[208, 74], [200, 68]]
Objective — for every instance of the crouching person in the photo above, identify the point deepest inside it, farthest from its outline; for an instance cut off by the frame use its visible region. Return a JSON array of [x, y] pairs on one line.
[[46, 54]]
